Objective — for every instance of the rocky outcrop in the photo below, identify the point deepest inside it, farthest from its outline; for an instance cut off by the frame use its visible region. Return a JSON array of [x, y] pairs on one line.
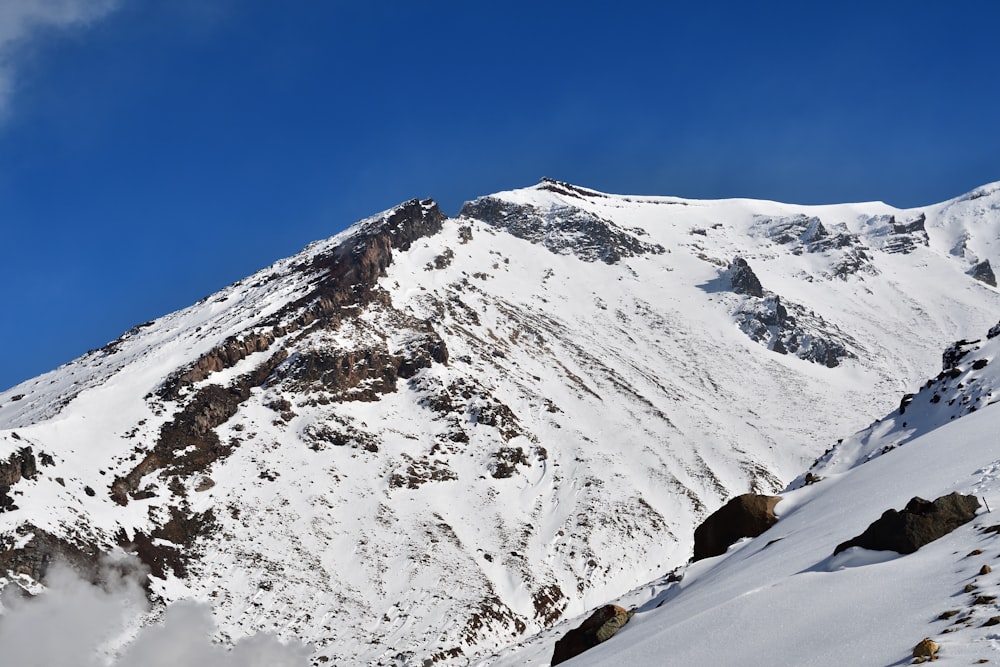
[[920, 522], [983, 272], [188, 443], [747, 515], [926, 649], [599, 627], [743, 280], [32, 551], [345, 277], [785, 327], [896, 237], [807, 234], [20, 465], [954, 353], [561, 229]]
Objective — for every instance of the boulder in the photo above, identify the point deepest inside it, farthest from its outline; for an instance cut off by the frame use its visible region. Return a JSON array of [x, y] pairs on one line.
[[926, 649], [599, 627], [920, 522], [748, 515]]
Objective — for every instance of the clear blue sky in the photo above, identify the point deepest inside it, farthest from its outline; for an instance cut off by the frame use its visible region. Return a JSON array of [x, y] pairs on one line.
[[152, 152]]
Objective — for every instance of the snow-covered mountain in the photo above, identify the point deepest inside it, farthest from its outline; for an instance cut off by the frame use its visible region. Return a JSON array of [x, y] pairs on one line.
[[430, 438]]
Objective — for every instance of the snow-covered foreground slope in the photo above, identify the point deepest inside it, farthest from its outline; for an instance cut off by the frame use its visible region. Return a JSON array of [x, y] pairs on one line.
[[783, 598], [430, 438]]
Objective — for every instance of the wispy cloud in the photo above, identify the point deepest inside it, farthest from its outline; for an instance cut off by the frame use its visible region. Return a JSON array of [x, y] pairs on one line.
[[76, 624], [22, 20]]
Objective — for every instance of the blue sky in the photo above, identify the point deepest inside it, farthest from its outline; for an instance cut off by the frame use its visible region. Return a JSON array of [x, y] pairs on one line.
[[152, 152]]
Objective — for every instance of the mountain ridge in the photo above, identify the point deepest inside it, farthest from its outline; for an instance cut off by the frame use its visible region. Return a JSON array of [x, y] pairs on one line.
[[536, 399]]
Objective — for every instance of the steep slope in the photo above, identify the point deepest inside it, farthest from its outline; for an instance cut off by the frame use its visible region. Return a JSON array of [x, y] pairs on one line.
[[426, 438], [783, 598]]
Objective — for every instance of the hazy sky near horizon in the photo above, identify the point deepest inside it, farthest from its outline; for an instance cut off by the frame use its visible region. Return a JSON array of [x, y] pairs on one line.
[[154, 152]]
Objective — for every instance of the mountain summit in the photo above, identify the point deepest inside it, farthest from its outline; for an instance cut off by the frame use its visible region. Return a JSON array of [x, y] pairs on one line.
[[426, 439]]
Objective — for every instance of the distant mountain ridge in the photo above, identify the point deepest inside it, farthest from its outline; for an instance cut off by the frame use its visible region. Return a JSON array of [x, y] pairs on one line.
[[427, 438]]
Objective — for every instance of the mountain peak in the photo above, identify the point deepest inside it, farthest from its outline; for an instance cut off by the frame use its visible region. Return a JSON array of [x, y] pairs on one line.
[[534, 401]]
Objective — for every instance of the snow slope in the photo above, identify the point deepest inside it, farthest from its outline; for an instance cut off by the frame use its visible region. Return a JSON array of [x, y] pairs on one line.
[[430, 438], [784, 599]]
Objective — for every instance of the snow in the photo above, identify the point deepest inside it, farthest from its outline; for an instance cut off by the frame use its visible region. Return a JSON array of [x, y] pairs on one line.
[[790, 602], [637, 402]]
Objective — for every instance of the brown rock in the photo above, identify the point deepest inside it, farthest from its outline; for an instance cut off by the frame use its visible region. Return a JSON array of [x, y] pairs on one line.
[[599, 627], [748, 515], [926, 649]]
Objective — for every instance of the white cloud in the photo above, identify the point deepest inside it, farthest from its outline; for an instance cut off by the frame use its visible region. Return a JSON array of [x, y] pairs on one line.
[[20, 20], [76, 624]]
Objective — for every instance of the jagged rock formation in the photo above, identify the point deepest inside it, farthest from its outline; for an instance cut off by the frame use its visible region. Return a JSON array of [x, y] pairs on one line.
[[919, 523], [983, 272], [801, 234], [743, 280], [791, 329], [562, 229], [20, 465]]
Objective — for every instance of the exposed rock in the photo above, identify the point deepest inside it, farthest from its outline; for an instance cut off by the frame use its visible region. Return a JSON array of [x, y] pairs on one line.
[[785, 328], [599, 627], [742, 278], [550, 602], [41, 551], [954, 353], [926, 649], [170, 547], [747, 515], [920, 522], [354, 375], [562, 230], [994, 331], [346, 276], [983, 272], [420, 472], [20, 465], [188, 443], [804, 234], [506, 460], [788, 328]]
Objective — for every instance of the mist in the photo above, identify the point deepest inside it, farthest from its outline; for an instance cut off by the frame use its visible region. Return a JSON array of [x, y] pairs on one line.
[[74, 623]]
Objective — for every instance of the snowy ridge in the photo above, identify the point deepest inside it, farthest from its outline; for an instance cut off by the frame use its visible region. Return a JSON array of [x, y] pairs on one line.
[[966, 384], [431, 438]]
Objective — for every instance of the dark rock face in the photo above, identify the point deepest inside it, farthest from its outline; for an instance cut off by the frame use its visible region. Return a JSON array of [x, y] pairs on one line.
[[983, 272], [994, 331], [920, 522], [599, 627], [20, 465], [44, 550], [743, 279], [748, 515], [955, 352], [562, 230]]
